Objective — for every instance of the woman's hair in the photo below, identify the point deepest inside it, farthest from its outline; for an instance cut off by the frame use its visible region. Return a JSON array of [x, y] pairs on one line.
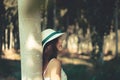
[[50, 50]]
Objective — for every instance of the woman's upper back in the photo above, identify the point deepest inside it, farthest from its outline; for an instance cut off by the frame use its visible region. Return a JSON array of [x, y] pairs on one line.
[[54, 71]]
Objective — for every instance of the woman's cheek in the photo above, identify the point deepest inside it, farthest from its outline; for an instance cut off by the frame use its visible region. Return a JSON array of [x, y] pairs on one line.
[[59, 46]]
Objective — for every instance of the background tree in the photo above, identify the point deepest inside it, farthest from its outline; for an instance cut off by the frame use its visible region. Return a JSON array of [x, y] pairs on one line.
[[30, 38], [94, 12], [116, 25], [97, 12], [2, 26]]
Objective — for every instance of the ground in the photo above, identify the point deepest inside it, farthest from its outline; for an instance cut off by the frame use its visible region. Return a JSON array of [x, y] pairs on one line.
[[76, 68]]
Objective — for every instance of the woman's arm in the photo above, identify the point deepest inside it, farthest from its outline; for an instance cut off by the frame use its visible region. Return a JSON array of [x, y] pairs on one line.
[[55, 70]]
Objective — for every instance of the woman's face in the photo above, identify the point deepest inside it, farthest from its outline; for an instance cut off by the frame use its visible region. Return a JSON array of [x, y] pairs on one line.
[[59, 43]]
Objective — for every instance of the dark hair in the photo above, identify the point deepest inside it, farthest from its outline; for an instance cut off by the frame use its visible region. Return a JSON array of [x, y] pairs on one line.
[[50, 51]]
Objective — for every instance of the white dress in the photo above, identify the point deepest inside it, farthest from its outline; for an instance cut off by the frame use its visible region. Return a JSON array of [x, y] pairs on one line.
[[63, 76]]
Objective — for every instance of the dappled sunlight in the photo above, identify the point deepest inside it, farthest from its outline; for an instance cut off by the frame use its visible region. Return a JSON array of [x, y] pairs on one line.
[[108, 58], [72, 44], [83, 49], [73, 48], [63, 12], [85, 24], [76, 61], [33, 44], [11, 54]]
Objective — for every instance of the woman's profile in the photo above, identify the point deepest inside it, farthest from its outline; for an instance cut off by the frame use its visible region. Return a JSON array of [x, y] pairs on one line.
[[52, 43]]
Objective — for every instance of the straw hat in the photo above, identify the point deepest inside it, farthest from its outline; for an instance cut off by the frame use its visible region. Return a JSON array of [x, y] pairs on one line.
[[49, 34]]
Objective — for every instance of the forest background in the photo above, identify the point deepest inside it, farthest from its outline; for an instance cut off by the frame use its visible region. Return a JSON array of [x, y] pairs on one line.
[[91, 43]]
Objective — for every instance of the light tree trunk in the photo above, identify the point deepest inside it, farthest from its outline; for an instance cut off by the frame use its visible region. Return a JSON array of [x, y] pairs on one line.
[[30, 39]]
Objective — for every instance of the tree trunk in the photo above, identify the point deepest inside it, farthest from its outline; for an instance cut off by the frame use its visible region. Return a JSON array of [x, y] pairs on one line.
[[116, 27], [30, 39]]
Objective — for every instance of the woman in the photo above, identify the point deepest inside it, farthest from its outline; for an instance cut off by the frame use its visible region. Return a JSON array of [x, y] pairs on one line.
[[52, 43]]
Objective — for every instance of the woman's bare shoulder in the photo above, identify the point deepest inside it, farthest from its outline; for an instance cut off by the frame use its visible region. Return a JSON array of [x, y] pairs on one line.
[[55, 62]]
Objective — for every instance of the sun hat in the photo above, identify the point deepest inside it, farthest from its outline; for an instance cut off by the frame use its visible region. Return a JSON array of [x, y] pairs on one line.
[[49, 34]]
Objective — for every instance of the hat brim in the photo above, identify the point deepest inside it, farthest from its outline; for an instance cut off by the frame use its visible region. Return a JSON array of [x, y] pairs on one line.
[[52, 38]]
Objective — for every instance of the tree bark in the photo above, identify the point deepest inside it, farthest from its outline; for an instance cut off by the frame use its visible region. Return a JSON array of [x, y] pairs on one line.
[[30, 39], [116, 27]]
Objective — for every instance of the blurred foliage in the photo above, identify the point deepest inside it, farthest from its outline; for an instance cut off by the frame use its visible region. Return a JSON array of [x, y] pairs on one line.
[[94, 12], [108, 71], [97, 15], [86, 23]]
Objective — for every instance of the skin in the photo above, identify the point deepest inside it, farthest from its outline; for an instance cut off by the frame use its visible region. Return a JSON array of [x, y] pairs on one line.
[[52, 68], [59, 44]]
